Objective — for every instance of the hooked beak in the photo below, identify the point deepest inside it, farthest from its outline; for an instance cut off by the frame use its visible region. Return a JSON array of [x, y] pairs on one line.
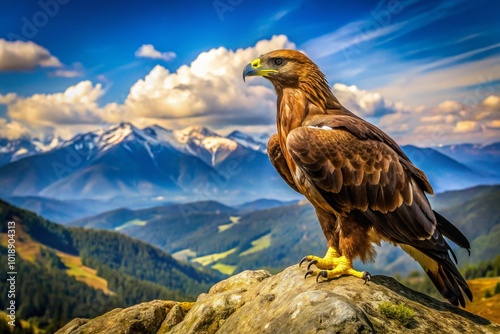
[[255, 69]]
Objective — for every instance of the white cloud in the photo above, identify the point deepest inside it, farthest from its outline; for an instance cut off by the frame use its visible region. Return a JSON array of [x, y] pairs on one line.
[[453, 81], [364, 103], [447, 122], [73, 71], [209, 90], [67, 73], [149, 51], [467, 127], [493, 102], [489, 109], [65, 113], [13, 130], [8, 98], [74, 105], [493, 124], [448, 106], [19, 55]]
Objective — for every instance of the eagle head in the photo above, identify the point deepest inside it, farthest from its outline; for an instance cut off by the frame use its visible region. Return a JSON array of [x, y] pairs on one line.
[[293, 69], [284, 68]]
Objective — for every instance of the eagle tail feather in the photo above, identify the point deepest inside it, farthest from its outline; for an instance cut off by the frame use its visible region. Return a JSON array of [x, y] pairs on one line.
[[449, 285], [451, 232], [443, 274]]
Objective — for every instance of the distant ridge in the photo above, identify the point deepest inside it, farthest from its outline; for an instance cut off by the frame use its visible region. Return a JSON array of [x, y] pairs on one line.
[[124, 166], [256, 235]]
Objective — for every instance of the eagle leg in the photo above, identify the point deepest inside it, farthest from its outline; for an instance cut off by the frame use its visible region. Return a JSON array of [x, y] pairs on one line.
[[327, 262], [332, 265]]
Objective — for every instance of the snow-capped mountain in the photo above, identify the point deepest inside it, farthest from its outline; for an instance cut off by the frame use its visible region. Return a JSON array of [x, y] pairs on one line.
[[189, 164], [196, 140], [126, 161], [12, 150], [255, 143], [241, 164]]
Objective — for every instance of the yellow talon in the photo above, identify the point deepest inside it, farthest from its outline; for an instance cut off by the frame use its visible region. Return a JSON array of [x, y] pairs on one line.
[[327, 262], [333, 265]]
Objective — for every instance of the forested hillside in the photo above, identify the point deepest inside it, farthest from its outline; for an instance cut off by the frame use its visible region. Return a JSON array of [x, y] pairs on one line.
[[232, 240], [66, 273]]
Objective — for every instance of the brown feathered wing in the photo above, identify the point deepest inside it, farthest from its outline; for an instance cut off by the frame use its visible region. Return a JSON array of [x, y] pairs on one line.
[[359, 170], [278, 160]]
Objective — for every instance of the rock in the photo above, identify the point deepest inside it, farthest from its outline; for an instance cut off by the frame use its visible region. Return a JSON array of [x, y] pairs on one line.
[[174, 316], [144, 318], [258, 302], [223, 299]]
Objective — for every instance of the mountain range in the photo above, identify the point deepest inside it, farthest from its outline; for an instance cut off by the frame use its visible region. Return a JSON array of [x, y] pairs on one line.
[[15, 149], [124, 166], [446, 173], [482, 157], [234, 239], [123, 161]]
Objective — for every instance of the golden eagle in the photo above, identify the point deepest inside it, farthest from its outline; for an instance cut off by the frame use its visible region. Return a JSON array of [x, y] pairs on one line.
[[362, 185]]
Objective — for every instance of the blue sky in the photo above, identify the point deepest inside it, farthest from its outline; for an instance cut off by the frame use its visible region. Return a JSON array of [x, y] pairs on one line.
[[412, 67]]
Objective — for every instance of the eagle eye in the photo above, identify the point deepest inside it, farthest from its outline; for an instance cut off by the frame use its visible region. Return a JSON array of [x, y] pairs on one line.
[[279, 61]]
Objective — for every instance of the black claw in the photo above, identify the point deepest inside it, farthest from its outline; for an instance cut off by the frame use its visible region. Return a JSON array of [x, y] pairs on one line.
[[311, 263], [322, 273], [367, 276], [304, 259], [309, 272]]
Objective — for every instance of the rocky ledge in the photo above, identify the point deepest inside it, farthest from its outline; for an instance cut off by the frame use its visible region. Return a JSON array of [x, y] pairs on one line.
[[258, 302]]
